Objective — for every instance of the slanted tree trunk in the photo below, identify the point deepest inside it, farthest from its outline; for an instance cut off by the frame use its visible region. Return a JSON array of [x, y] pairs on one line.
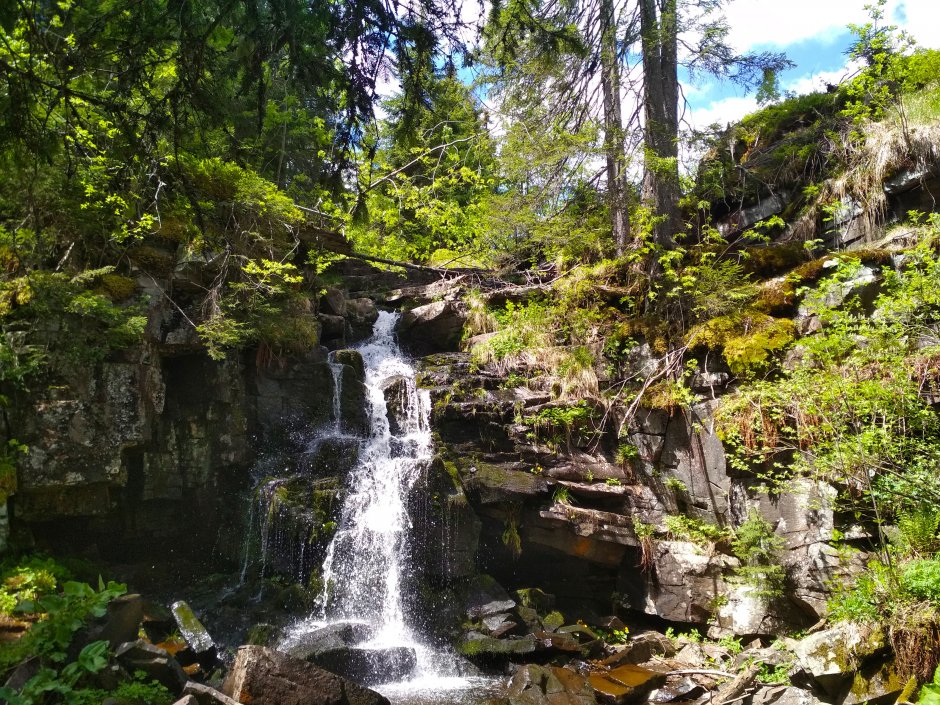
[[661, 130], [617, 187]]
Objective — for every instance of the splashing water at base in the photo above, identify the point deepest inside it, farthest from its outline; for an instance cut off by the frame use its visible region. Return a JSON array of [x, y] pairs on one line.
[[367, 563]]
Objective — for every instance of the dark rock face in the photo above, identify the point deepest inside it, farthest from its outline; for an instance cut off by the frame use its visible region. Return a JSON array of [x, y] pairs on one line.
[[352, 403], [265, 677], [395, 391]]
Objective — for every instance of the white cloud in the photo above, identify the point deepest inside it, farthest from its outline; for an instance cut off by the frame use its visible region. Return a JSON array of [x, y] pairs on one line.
[[808, 83], [722, 111], [921, 19], [768, 22]]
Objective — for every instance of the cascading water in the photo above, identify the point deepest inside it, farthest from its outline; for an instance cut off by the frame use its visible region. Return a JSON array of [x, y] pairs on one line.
[[367, 564]]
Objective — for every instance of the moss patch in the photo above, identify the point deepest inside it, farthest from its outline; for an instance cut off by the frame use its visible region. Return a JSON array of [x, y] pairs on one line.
[[748, 340]]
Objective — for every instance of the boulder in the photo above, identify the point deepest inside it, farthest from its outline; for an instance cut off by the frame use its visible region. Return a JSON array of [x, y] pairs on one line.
[[333, 302], [154, 661], [784, 695], [360, 314], [122, 621], [263, 676], [536, 599], [396, 393], [353, 358], [830, 658], [875, 684], [352, 403], [549, 685], [332, 331], [480, 647], [204, 695], [685, 584], [308, 645], [684, 689], [434, 327], [641, 648], [195, 635], [368, 665]]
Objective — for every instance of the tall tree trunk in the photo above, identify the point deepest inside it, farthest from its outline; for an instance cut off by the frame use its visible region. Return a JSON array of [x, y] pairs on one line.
[[661, 132], [617, 187]]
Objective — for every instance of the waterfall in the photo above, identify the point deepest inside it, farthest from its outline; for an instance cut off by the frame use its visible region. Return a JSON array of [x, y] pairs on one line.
[[367, 564], [368, 556]]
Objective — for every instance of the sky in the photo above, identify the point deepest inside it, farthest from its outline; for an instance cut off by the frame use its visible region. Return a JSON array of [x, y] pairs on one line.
[[813, 34]]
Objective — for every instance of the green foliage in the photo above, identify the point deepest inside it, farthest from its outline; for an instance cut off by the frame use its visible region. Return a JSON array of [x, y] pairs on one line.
[[54, 321], [852, 409], [921, 579], [702, 533], [27, 579], [774, 675], [757, 547], [930, 692]]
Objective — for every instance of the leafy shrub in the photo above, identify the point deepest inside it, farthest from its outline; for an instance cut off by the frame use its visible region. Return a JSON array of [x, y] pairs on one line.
[[921, 579], [757, 547]]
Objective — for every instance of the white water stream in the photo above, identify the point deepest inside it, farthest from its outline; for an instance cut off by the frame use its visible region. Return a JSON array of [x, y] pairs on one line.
[[367, 564]]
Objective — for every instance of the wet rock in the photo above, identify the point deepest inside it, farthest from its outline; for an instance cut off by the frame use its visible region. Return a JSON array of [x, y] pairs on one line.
[[353, 358], [490, 608], [395, 391], [332, 331], [485, 596], [266, 677], [204, 695], [154, 661], [334, 456], [352, 403], [327, 638], [549, 685], [553, 621], [684, 689], [496, 623], [480, 647], [625, 684], [361, 315], [194, 633], [368, 665], [492, 484], [434, 327]]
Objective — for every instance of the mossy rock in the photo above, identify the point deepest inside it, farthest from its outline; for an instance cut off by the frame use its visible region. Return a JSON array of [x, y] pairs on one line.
[[536, 599], [748, 340], [771, 260], [116, 287], [152, 260], [353, 358]]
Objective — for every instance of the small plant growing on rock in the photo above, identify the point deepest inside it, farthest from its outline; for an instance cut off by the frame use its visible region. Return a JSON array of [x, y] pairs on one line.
[[757, 546]]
